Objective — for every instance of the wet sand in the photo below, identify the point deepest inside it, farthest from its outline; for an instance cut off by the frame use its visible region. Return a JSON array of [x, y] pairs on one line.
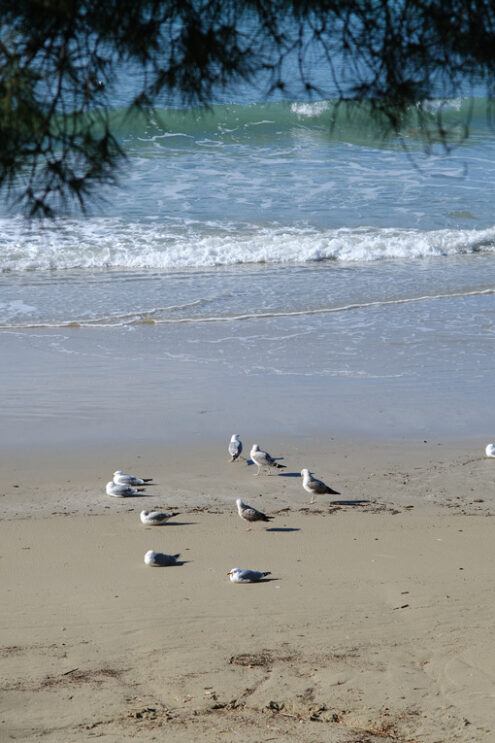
[[66, 387], [376, 623]]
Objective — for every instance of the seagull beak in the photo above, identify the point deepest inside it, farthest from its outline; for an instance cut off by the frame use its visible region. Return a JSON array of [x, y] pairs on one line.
[[228, 572]]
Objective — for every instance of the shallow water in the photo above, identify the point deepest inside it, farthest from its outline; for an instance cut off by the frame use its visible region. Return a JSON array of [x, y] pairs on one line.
[[256, 248], [401, 350]]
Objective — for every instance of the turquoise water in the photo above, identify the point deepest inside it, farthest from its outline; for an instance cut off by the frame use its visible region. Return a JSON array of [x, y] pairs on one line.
[[275, 241]]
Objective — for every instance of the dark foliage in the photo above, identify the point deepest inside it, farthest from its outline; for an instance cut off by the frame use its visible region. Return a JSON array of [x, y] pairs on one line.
[[59, 60]]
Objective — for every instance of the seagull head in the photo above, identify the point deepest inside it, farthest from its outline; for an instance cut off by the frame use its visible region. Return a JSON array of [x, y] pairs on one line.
[[305, 472]]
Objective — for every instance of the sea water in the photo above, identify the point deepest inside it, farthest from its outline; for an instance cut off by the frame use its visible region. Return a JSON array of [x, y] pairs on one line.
[[275, 252]]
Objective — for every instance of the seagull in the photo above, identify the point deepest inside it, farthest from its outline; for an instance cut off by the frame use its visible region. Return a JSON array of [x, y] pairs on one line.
[[237, 575], [160, 559], [314, 486], [120, 478], [235, 447], [263, 459], [490, 450], [155, 517], [121, 491], [250, 514]]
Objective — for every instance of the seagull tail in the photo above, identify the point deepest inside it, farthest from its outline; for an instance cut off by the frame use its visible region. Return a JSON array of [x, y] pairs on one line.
[[140, 490], [267, 573], [333, 492], [280, 466], [147, 479]]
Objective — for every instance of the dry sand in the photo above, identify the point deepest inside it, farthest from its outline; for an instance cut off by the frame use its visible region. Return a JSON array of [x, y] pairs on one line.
[[377, 623]]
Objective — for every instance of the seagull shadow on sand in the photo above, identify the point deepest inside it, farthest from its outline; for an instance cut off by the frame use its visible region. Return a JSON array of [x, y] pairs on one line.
[[177, 564], [130, 497], [290, 474], [177, 523], [358, 502], [282, 529]]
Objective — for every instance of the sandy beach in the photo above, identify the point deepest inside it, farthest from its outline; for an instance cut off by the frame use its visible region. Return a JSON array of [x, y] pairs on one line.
[[375, 623]]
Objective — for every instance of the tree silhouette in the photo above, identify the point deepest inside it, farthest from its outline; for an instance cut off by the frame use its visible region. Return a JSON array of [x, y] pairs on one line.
[[60, 61]]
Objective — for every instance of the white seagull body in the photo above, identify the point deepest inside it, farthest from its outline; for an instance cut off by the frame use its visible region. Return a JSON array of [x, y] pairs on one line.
[[250, 514], [155, 518], [263, 459], [121, 491], [490, 450], [121, 478], [314, 486], [160, 559], [235, 447], [237, 575]]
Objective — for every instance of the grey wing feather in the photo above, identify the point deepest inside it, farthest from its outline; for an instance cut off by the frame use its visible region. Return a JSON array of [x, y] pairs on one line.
[[255, 515], [319, 487], [164, 559], [251, 575], [235, 449], [255, 575]]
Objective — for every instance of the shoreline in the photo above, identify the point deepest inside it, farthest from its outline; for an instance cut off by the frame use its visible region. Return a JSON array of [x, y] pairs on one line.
[[139, 389]]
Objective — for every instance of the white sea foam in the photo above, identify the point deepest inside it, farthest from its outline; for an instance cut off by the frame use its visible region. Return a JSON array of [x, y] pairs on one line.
[[310, 110], [15, 309], [435, 105], [113, 243]]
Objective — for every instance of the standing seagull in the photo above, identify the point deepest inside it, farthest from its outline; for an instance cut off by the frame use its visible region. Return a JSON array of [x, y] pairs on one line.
[[121, 491], [263, 459], [235, 447], [314, 486], [120, 478], [250, 514]]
